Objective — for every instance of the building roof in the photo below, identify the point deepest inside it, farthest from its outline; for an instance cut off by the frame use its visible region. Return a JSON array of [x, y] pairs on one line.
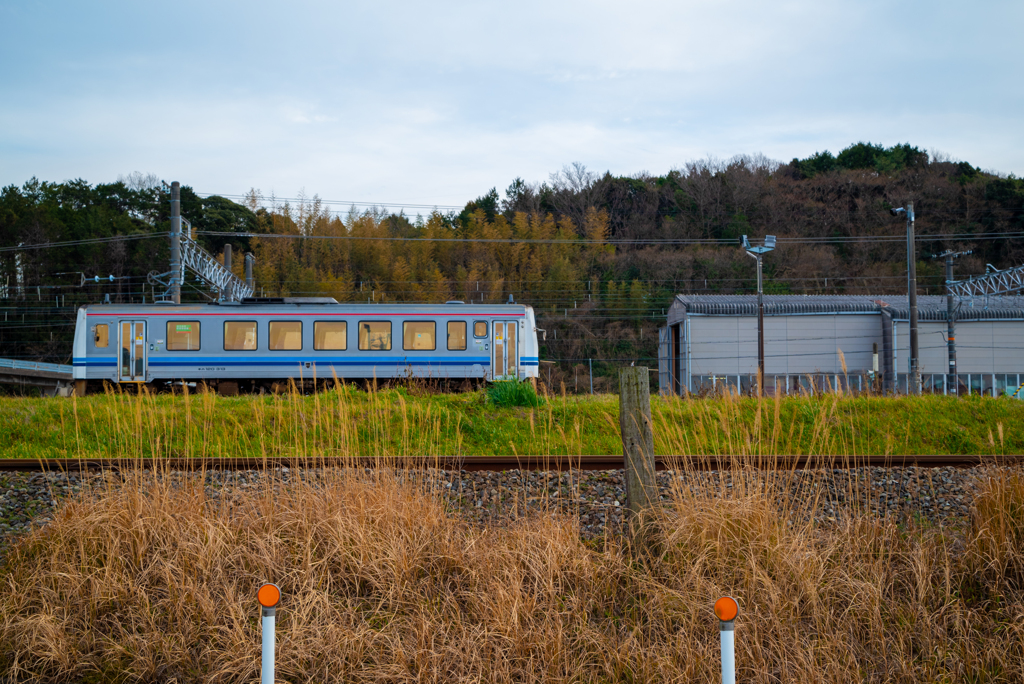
[[746, 305], [929, 307], [933, 308]]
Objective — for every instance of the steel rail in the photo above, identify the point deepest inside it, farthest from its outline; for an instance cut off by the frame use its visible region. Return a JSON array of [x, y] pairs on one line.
[[500, 463]]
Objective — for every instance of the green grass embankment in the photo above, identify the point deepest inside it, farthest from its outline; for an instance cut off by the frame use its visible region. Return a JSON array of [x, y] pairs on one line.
[[395, 423]]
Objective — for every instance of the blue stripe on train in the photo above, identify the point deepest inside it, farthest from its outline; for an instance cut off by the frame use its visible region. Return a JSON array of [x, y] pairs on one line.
[[290, 361], [329, 360], [292, 364], [287, 360]]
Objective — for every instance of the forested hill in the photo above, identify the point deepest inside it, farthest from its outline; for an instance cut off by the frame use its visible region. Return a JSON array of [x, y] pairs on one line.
[[604, 253]]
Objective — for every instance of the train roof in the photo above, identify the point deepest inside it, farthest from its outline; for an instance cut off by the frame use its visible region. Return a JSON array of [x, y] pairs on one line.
[[309, 305]]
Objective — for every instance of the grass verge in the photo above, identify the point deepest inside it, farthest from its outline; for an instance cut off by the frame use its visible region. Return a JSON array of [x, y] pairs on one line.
[[394, 423]]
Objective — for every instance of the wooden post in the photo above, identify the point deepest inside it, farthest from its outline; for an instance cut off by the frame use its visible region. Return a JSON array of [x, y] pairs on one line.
[[637, 439]]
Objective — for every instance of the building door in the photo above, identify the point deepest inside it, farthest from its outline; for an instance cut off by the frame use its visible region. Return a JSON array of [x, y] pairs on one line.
[[505, 350], [133, 351]]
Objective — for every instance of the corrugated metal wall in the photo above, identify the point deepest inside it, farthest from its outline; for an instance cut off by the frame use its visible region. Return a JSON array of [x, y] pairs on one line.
[[981, 346], [727, 345]]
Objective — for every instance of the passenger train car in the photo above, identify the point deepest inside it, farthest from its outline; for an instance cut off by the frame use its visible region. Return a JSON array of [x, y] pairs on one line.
[[256, 343]]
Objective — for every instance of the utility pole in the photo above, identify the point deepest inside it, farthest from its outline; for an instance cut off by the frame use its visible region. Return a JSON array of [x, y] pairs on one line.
[[226, 294], [176, 242], [951, 315], [757, 253], [249, 259], [915, 370]]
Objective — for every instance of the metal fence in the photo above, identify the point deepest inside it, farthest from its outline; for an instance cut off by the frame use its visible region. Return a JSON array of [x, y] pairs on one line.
[[984, 384]]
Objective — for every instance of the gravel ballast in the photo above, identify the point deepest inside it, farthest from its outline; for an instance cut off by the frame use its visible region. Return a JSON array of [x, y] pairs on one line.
[[597, 498]]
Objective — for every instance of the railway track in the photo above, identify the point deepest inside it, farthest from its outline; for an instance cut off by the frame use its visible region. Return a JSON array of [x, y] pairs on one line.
[[500, 463]]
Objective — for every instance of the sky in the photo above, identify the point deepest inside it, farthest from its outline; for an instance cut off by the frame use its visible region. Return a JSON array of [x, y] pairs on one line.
[[435, 103]]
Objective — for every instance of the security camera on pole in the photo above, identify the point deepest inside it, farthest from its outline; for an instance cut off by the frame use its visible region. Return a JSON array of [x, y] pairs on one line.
[[915, 370], [757, 253]]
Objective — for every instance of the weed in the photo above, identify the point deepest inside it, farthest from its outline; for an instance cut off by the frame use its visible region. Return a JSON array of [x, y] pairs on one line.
[[509, 393]]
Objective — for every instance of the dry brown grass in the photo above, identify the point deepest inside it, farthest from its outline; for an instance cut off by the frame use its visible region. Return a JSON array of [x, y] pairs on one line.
[[146, 581]]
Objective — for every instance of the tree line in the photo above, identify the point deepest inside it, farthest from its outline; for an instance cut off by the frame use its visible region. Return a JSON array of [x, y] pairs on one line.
[[599, 256]]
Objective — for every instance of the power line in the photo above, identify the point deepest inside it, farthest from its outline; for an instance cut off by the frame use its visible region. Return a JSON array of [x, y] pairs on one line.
[[547, 241], [311, 200], [87, 241], [626, 241]]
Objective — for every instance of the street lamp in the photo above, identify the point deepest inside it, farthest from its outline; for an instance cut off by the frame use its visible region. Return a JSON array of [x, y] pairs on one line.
[[757, 252], [915, 370]]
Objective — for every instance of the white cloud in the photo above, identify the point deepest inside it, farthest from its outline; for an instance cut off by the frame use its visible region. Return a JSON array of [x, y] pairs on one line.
[[437, 102]]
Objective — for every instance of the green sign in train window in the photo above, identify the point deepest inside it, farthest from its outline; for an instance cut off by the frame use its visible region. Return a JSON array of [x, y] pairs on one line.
[[183, 336]]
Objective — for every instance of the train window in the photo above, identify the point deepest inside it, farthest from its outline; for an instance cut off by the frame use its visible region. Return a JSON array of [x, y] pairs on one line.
[[480, 329], [419, 335], [330, 335], [239, 335], [375, 335], [102, 337], [182, 335], [457, 335], [285, 335]]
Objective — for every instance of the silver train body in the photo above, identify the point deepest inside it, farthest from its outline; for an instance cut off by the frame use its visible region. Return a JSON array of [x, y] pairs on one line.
[[258, 342]]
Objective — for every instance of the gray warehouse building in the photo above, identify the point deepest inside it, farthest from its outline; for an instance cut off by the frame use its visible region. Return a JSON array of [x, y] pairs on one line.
[[710, 342]]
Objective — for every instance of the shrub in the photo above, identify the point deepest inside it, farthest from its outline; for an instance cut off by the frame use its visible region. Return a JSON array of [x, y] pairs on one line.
[[507, 393]]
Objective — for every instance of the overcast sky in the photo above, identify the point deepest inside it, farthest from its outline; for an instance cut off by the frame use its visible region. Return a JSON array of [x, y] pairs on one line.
[[436, 102]]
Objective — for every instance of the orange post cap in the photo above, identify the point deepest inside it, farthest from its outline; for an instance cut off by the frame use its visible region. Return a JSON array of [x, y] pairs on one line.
[[269, 596], [726, 609]]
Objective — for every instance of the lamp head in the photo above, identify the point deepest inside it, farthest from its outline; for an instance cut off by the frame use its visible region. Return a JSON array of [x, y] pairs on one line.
[[896, 211]]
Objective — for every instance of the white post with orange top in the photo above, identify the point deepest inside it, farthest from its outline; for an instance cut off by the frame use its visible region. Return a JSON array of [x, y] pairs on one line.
[[269, 596], [727, 609]]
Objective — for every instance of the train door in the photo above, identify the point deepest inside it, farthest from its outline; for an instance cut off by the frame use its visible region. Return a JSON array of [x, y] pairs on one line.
[[133, 351], [505, 346]]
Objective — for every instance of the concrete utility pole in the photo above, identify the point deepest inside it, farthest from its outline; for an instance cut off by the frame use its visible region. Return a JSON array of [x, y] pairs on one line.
[[176, 242], [227, 294], [915, 371], [951, 317], [757, 253], [249, 259]]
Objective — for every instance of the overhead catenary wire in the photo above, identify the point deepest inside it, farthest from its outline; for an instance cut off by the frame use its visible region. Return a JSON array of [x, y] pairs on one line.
[[350, 203], [619, 241], [548, 241], [84, 241]]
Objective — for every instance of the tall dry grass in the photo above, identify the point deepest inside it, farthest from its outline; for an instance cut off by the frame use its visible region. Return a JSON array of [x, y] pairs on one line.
[[144, 580], [153, 578]]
